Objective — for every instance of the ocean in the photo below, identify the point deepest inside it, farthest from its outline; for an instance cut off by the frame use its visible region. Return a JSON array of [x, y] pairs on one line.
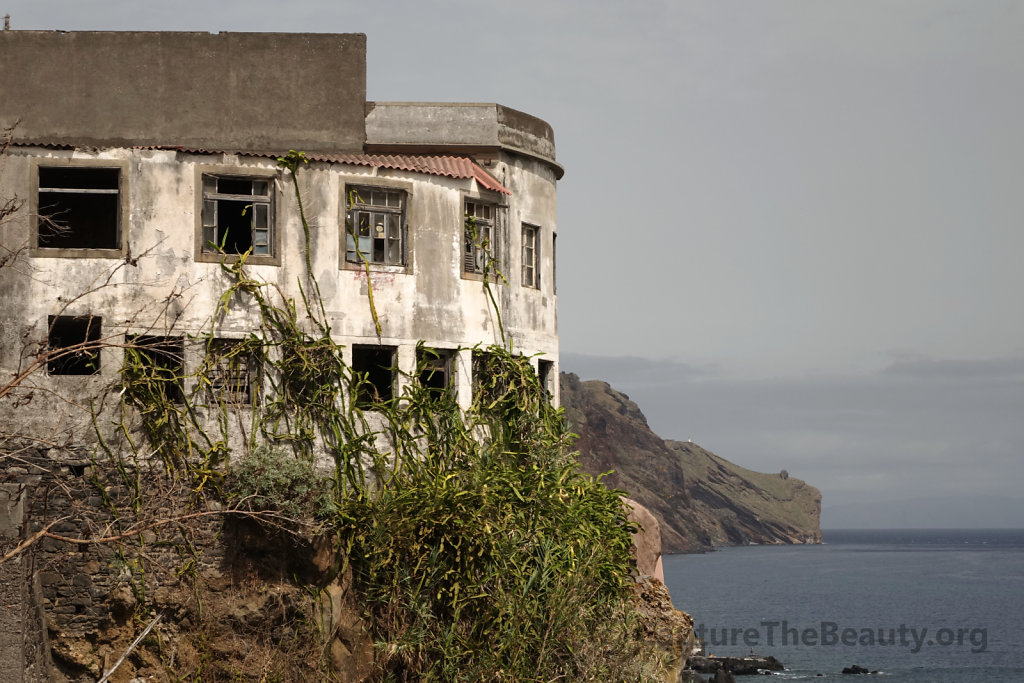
[[919, 606]]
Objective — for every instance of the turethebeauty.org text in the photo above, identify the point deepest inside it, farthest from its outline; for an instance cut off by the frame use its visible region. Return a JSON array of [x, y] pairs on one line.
[[831, 634]]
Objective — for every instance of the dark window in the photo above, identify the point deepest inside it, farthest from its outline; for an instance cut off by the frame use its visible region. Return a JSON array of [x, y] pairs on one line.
[[374, 370], [546, 375], [161, 361], [436, 368], [480, 251], [554, 263], [238, 215], [73, 344], [531, 256], [231, 372], [79, 207], [375, 226]]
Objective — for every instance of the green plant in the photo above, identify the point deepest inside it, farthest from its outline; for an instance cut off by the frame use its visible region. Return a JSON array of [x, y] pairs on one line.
[[489, 556], [271, 480]]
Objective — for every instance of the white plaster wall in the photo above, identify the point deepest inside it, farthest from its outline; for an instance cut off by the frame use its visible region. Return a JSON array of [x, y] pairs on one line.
[[161, 288]]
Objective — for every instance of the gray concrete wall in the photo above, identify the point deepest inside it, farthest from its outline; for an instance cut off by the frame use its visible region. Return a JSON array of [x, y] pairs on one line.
[[227, 91], [471, 126]]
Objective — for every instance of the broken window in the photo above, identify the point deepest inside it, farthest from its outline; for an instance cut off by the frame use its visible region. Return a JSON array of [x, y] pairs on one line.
[[374, 371], [436, 369], [375, 222], [480, 253], [159, 361], [238, 215], [79, 207], [231, 372], [73, 344], [531, 256]]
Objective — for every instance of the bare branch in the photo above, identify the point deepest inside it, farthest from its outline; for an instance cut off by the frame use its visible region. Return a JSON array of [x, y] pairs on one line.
[[277, 520], [29, 541]]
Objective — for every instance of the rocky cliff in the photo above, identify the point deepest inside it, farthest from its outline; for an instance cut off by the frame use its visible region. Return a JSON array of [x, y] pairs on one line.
[[700, 499]]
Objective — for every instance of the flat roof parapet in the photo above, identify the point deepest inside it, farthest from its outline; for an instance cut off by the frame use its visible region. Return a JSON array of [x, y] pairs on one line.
[[421, 127], [243, 91]]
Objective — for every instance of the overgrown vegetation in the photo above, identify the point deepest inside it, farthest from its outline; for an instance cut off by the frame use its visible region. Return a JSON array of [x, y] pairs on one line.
[[479, 550], [489, 556]]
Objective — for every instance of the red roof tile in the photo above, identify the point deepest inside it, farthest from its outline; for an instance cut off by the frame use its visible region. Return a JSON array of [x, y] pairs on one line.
[[441, 165], [450, 166]]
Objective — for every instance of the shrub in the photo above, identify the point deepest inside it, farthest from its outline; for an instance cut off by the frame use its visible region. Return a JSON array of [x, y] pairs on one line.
[[491, 557], [269, 480]]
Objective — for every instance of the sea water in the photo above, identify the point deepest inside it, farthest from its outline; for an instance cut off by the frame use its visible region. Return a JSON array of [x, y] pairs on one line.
[[936, 606]]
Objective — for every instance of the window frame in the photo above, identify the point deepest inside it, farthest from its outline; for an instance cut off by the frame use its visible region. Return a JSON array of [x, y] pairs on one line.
[[353, 207], [359, 399], [482, 364], [407, 214], [433, 359], [204, 255], [547, 375], [532, 261], [123, 208], [224, 375], [158, 348], [554, 262], [495, 241]]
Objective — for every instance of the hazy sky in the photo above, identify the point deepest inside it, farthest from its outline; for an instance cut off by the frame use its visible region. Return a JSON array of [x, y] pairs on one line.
[[790, 229]]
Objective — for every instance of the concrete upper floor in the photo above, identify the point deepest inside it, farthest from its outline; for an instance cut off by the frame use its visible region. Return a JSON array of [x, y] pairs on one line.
[[234, 92]]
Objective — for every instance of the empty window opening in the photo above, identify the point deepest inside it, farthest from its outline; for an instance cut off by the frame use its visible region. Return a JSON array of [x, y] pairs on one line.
[[237, 216], [531, 256], [231, 372], [161, 363], [375, 223], [79, 207], [73, 342], [546, 375], [480, 251], [436, 369], [374, 370]]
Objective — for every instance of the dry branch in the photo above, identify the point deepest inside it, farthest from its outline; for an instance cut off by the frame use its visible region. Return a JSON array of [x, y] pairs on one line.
[[277, 520]]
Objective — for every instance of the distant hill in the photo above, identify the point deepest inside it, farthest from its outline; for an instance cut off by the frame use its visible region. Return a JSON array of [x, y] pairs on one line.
[[700, 499]]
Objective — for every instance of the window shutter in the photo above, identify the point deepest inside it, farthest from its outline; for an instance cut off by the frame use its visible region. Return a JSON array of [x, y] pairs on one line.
[[209, 225], [260, 229], [536, 258], [469, 254]]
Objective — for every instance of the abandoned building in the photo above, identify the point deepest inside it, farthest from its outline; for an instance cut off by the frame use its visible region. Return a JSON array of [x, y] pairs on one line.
[[146, 160], [137, 168]]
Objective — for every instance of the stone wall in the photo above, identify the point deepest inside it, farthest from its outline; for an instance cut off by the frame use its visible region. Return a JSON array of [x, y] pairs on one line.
[[24, 652], [73, 598], [237, 600]]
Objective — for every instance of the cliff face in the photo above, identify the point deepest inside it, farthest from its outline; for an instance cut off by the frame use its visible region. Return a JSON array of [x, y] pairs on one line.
[[700, 499]]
